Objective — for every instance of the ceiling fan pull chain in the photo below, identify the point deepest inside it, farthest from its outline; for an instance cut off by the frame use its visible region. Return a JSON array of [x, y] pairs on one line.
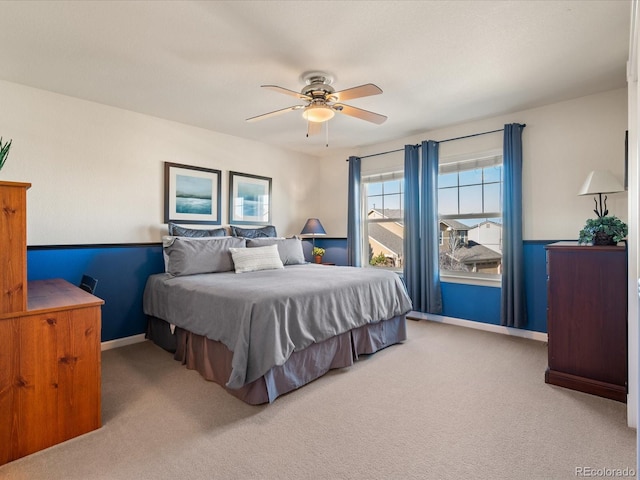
[[326, 134]]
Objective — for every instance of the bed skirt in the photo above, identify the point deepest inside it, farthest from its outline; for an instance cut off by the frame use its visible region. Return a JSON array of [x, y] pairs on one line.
[[212, 359]]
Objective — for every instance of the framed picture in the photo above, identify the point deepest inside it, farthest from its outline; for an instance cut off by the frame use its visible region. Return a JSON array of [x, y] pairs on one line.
[[191, 194], [249, 199]]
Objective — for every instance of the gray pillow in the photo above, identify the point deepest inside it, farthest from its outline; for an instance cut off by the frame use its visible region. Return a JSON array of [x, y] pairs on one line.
[[289, 249], [178, 231], [199, 255], [268, 231]]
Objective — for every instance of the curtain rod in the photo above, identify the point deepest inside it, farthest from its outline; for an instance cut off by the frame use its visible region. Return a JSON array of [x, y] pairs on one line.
[[472, 135], [440, 141], [384, 153]]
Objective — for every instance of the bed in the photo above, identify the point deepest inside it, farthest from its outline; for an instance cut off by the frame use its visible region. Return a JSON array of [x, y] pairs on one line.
[[268, 330]]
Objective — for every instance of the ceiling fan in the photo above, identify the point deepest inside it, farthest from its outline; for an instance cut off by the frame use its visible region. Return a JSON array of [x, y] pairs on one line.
[[322, 101]]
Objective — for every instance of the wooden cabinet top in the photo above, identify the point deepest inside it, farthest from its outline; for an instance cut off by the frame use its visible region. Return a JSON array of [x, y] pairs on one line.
[[4, 183], [52, 295], [577, 247]]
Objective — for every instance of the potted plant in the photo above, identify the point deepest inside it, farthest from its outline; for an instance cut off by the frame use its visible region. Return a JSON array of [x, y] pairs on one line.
[[605, 230], [4, 151], [317, 254]]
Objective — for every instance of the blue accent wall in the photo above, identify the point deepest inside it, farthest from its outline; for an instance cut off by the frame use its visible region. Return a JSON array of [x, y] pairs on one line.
[[122, 271], [471, 302], [335, 250], [535, 268]]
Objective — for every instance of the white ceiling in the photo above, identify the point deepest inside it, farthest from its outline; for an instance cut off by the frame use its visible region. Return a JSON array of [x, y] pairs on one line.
[[202, 63]]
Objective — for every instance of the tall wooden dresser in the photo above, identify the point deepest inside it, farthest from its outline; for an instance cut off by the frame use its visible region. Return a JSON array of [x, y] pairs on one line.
[[49, 346], [587, 318]]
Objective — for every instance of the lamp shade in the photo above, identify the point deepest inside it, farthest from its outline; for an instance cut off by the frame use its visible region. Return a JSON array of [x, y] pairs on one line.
[[600, 181], [318, 113], [313, 227]]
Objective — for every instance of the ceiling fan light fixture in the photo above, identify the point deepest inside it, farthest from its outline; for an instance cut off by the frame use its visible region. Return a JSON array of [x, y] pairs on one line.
[[318, 113]]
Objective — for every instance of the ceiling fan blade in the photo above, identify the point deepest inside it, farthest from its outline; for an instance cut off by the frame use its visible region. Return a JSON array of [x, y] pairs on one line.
[[274, 113], [314, 128], [357, 92], [286, 91], [360, 113]]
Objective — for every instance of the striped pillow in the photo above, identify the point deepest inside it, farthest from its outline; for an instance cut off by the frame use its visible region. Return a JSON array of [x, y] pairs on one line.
[[254, 259]]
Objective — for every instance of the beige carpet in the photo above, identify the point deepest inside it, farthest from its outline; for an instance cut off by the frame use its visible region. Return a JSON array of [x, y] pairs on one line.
[[450, 403]]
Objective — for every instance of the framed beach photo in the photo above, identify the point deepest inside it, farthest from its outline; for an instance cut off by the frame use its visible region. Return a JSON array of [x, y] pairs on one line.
[[249, 199], [191, 194]]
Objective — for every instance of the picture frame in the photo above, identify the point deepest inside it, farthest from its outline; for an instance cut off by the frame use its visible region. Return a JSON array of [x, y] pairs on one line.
[[192, 194], [249, 199]]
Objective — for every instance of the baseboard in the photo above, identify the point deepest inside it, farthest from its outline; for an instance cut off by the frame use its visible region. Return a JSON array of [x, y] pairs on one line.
[[122, 342], [515, 332]]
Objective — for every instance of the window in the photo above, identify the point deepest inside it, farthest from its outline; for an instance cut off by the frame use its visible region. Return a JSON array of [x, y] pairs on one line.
[[384, 220], [470, 213]]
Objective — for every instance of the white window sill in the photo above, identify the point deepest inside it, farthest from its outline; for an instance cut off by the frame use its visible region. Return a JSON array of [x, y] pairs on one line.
[[480, 279]]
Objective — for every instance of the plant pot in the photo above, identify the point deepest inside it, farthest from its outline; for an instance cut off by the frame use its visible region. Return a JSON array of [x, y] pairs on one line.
[[318, 258], [602, 238]]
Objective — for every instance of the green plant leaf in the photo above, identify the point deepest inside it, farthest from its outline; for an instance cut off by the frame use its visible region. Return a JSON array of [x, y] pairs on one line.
[[4, 152], [610, 225]]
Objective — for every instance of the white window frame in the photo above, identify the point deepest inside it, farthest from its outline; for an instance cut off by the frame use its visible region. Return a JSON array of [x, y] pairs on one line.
[[461, 163], [378, 177]]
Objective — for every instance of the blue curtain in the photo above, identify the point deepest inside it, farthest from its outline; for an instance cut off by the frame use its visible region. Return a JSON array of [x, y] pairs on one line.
[[513, 311], [421, 265], [354, 214], [430, 228], [411, 264]]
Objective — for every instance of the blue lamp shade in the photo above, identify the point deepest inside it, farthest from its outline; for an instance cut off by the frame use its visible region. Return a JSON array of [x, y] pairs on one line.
[[313, 227]]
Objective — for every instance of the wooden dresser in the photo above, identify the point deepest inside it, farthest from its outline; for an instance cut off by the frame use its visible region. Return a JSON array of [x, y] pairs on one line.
[[49, 347], [587, 318]]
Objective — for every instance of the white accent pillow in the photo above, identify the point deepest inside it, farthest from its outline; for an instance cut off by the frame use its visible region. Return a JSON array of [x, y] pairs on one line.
[[254, 259]]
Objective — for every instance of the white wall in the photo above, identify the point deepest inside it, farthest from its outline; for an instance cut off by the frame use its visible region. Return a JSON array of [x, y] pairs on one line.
[[562, 143], [97, 172], [633, 70]]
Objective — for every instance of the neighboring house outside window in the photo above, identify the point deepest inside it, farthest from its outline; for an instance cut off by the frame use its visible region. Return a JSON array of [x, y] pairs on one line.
[[470, 211], [384, 222]]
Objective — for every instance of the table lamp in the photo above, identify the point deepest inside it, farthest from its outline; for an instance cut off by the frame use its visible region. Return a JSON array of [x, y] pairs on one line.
[[313, 227], [599, 182]]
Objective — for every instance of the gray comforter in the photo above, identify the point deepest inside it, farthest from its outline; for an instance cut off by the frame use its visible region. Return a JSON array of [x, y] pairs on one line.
[[264, 316]]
